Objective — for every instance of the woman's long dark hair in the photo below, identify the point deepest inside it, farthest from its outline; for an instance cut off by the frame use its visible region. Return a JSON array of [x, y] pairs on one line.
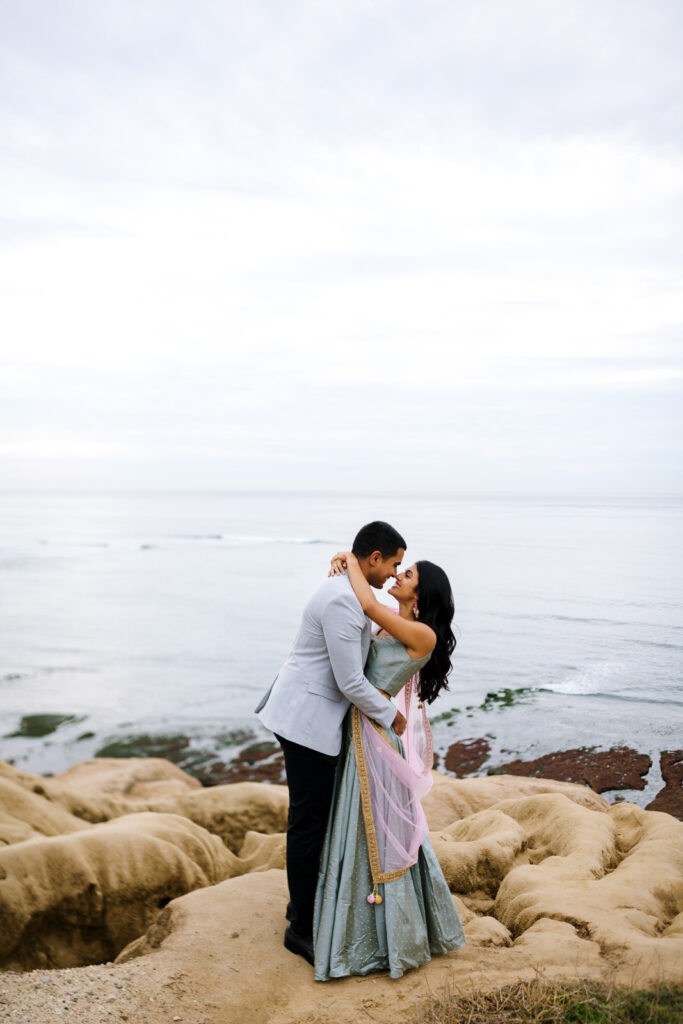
[[435, 606]]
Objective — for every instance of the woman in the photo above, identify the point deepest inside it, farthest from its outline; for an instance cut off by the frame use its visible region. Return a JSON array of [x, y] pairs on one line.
[[382, 902]]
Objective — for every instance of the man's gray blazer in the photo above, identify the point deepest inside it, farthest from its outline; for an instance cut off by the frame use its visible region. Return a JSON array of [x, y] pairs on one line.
[[324, 673]]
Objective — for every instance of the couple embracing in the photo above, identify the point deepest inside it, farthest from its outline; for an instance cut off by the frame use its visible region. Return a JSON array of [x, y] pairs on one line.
[[366, 892]]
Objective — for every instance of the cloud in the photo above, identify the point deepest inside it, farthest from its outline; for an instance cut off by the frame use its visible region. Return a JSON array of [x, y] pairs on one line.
[[294, 235]]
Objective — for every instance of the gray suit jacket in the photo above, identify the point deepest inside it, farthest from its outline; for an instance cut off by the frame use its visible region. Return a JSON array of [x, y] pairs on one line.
[[324, 673]]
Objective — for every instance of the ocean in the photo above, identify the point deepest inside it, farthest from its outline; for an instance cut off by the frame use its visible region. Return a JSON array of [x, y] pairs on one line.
[[163, 614]]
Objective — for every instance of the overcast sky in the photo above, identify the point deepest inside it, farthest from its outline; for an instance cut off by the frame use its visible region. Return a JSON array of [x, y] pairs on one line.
[[363, 245]]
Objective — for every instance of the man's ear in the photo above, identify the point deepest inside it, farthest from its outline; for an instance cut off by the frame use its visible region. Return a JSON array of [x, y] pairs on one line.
[[375, 558]]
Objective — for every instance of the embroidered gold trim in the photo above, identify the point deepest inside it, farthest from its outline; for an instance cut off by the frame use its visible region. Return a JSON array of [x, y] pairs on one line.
[[366, 802], [382, 732]]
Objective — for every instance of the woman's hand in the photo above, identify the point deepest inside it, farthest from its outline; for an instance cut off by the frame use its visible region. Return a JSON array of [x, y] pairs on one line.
[[346, 562], [340, 562]]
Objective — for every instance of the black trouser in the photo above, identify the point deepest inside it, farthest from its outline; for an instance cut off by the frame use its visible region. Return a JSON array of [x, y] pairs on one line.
[[310, 777]]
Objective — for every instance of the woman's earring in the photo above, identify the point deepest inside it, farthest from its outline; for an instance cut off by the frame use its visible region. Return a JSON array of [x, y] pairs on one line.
[[416, 611]]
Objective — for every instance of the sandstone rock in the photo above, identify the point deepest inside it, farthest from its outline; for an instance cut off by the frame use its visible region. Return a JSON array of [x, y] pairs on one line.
[[79, 898], [582, 955], [247, 913], [261, 853], [127, 776], [676, 926], [22, 778], [451, 799], [579, 887], [107, 787], [83, 800], [25, 813], [556, 827], [477, 902], [477, 852], [624, 893], [233, 810], [486, 931], [132, 785]]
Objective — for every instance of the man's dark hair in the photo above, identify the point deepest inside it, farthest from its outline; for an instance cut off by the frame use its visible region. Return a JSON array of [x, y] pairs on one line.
[[377, 536]]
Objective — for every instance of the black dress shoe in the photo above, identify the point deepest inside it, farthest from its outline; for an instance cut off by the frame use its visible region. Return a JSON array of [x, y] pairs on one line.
[[296, 944]]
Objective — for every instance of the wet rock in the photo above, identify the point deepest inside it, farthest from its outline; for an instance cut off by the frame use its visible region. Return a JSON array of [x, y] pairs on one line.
[[466, 756], [602, 770], [34, 726], [171, 747], [670, 799], [505, 698], [260, 762]]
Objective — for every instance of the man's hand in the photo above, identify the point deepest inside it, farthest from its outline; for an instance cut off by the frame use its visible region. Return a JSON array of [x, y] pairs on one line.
[[399, 724]]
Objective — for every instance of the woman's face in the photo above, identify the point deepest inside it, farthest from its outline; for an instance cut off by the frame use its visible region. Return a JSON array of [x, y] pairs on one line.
[[405, 587]]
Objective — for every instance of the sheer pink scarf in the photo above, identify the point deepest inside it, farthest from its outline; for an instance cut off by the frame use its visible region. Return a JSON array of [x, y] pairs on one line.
[[392, 786]]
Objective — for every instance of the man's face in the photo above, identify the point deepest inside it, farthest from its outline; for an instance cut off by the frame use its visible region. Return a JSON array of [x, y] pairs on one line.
[[382, 569]]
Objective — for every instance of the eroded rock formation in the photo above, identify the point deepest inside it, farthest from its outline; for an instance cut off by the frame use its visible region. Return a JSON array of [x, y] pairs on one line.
[[133, 860]]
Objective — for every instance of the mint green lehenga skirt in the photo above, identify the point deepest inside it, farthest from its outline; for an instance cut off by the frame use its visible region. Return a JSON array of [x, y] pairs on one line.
[[417, 917]]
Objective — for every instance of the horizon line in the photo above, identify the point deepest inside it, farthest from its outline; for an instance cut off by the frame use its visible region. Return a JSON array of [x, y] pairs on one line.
[[323, 492]]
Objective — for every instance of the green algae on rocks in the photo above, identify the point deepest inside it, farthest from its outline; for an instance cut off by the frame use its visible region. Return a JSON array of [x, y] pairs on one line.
[[35, 726], [505, 698]]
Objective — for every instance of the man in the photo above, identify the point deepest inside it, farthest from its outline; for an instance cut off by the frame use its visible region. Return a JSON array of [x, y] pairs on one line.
[[307, 703]]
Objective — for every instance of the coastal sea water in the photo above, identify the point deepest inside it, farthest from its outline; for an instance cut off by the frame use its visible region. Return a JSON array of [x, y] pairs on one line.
[[166, 615]]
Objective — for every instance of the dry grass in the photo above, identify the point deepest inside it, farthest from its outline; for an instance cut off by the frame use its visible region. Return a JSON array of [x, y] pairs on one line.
[[538, 1002]]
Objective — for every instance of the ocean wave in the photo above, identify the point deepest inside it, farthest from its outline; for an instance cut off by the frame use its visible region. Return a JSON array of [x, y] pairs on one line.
[[198, 536], [597, 676], [653, 643], [586, 620], [245, 540], [63, 543], [562, 690]]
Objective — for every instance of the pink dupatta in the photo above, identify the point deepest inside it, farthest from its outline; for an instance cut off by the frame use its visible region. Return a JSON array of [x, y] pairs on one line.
[[392, 786]]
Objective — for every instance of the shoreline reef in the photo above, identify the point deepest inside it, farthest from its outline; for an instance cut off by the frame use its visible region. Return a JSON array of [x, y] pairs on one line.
[[604, 771], [240, 752], [241, 755], [129, 892]]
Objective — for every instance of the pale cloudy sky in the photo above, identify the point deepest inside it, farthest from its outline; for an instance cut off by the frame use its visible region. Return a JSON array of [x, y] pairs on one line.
[[361, 245]]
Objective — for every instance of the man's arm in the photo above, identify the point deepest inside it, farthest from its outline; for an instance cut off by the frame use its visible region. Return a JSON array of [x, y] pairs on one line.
[[343, 639]]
